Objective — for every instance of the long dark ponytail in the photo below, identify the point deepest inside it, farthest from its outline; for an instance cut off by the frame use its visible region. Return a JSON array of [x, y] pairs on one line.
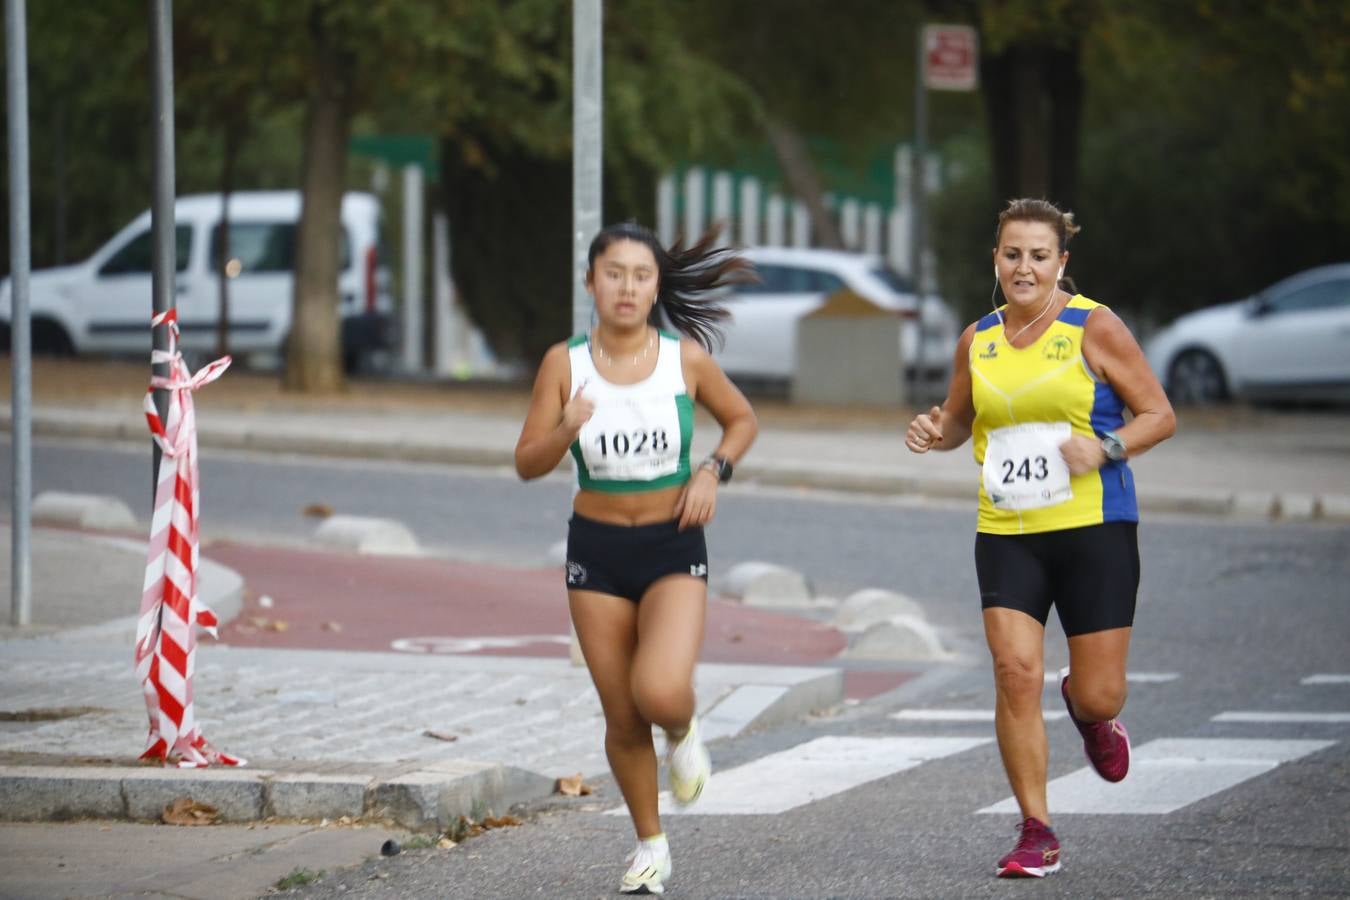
[[687, 277]]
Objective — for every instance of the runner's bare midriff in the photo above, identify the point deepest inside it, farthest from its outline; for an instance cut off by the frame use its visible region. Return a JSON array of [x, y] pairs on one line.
[[639, 508]]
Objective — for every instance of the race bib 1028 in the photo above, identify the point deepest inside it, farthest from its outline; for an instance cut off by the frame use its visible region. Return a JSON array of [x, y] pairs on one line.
[[1023, 468], [632, 440]]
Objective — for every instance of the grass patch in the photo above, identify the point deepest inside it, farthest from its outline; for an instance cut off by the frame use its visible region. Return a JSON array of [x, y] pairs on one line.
[[297, 878]]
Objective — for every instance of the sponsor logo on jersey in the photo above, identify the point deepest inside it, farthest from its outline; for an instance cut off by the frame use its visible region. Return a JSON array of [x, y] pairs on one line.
[[1059, 348]]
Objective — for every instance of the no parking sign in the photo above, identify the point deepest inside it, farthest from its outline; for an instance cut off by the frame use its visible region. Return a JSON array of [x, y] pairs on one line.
[[950, 55]]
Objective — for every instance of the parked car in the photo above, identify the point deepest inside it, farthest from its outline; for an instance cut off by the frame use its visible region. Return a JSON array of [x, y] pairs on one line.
[[1291, 341], [761, 338], [103, 304]]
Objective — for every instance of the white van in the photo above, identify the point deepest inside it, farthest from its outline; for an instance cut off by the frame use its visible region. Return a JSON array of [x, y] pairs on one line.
[[103, 305]]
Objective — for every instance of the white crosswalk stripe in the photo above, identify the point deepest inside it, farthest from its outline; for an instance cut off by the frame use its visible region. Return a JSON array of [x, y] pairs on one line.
[[1282, 718], [1131, 677], [1167, 774], [1325, 679], [812, 771], [962, 715]]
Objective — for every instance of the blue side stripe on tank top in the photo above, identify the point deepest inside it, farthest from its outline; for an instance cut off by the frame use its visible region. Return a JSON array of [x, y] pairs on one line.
[[1119, 503], [1073, 316], [988, 320]]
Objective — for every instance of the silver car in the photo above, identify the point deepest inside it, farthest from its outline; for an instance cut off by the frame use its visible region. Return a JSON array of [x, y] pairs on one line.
[[1288, 342], [761, 338]]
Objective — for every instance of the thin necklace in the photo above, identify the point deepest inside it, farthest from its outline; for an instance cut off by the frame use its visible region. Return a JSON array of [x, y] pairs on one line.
[[1020, 331], [609, 357]]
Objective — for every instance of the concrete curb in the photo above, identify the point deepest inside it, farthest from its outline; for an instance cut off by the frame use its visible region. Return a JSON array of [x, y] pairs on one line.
[[777, 695], [432, 797]]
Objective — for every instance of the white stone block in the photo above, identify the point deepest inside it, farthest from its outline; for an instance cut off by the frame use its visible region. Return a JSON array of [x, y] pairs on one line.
[[92, 511], [766, 584], [899, 638], [364, 534], [1299, 507], [1256, 505], [1336, 507], [869, 606]]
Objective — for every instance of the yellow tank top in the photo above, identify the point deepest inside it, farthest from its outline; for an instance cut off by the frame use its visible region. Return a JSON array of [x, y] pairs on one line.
[[1047, 382]]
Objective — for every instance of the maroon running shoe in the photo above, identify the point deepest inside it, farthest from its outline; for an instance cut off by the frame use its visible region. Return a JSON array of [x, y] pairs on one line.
[[1036, 854], [1106, 744]]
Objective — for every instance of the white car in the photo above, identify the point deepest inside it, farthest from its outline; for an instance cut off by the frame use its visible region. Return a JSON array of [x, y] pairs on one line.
[[761, 337], [103, 305], [1287, 342]]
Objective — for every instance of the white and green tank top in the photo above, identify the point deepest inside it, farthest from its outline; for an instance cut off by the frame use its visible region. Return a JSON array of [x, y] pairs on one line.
[[638, 439]]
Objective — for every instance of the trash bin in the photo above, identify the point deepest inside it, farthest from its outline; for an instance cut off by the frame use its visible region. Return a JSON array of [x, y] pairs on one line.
[[848, 353]]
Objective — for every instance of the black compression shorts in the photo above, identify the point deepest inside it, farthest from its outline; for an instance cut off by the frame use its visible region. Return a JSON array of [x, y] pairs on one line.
[[625, 560], [1090, 574]]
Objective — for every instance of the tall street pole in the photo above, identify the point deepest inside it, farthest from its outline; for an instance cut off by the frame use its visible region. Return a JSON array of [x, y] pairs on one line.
[[20, 340], [916, 194], [587, 148], [164, 259]]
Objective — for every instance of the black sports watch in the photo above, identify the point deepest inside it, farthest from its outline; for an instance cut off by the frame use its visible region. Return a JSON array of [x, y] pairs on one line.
[[1113, 446], [721, 467]]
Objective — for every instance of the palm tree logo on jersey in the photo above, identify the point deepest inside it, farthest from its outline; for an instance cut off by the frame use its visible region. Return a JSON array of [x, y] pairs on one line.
[[1058, 348]]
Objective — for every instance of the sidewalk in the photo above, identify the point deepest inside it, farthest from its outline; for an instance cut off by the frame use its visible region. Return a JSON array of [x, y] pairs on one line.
[[1228, 461], [418, 740]]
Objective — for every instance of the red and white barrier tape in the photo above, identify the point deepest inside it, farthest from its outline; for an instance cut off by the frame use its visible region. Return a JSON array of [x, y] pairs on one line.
[[166, 640]]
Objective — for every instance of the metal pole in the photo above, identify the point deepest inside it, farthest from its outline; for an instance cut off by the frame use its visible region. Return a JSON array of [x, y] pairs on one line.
[[412, 269], [20, 360], [917, 195], [587, 148], [164, 261]]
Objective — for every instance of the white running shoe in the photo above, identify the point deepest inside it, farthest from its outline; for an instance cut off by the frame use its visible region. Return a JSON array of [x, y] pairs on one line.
[[690, 766], [648, 868]]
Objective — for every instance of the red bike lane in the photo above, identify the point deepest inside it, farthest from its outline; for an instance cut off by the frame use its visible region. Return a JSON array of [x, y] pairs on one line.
[[324, 600]]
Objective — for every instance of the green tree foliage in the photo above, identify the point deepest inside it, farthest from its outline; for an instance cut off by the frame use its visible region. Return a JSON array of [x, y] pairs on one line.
[[1212, 134], [1215, 148], [1212, 150], [507, 178]]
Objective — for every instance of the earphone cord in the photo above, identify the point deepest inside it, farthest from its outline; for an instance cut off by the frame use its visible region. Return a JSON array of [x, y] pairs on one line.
[[1045, 309]]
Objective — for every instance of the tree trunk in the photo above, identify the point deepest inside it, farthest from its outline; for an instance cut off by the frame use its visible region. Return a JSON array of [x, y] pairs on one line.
[[1064, 73], [803, 179], [314, 350], [1033, 100], [59, 204]]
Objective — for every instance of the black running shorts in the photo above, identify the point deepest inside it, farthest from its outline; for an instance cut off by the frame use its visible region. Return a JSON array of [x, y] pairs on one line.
[[1090, 574], [625, 560]]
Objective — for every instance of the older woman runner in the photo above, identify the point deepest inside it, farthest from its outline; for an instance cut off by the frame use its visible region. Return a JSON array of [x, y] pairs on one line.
[[1042, 384]]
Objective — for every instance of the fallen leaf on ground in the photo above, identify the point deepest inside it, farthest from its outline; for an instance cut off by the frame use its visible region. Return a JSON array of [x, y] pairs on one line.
[[501, 822], [440, 735], [573, 786], [186, 811], [278, 625], [446, 844], [318, 510], [331, 626]]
